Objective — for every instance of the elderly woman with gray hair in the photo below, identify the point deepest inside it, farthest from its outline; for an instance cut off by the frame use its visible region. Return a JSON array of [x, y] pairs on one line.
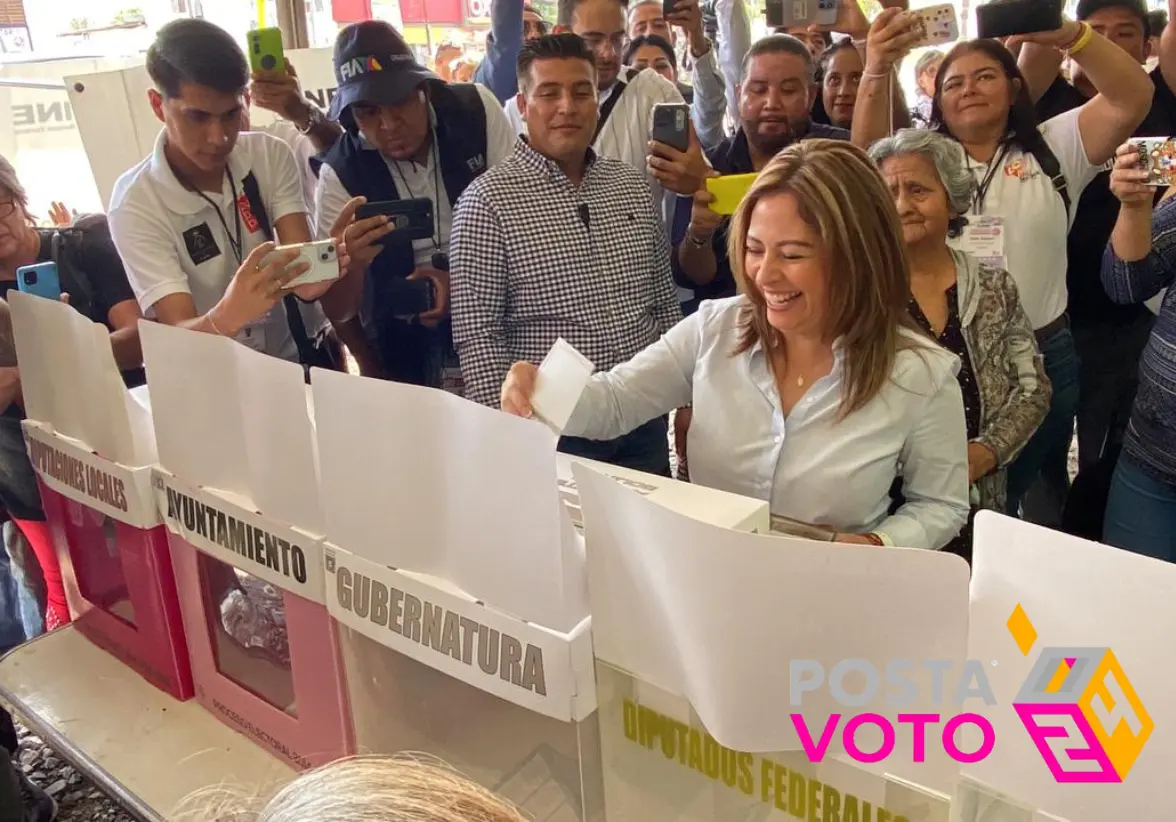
[[971, 308]]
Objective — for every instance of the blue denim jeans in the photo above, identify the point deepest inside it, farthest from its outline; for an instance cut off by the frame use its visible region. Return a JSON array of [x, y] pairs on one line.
[[21, 601], [1044, 462], [1141, 513]]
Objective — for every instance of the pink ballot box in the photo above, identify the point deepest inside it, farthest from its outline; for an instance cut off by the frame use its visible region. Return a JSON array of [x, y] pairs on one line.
[[114, 555], [237, 491], [457, 580], [91, 442]]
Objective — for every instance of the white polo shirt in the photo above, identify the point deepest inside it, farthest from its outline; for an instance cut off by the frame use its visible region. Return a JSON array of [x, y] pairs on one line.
[[1035, 223], [172, 241]]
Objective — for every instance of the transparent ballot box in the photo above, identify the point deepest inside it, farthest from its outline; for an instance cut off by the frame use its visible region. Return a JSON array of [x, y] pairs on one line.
[[115, 563], [506, 702]]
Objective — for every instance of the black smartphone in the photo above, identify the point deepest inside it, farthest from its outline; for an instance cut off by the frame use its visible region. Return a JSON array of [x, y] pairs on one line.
[[671, 125], [668, 7], [409, 298], [410, 219], [1004, 18]]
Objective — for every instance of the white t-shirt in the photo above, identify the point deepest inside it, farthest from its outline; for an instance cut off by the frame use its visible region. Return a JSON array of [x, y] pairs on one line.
[[172, 240], [418, 181], [1035, 221]]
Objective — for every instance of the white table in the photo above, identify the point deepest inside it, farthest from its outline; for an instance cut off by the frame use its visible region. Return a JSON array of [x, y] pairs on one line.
[[134, 741]]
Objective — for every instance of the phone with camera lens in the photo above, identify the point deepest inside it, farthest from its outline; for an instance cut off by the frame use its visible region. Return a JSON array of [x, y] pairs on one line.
[[671, 125], [40, 279], [410, 219], [265, 50], [322, 256]]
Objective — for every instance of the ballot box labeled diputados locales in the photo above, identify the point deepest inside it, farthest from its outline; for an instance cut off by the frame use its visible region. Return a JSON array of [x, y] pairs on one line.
[[695, 627], [91, 444], [237, 491], [457, 582]]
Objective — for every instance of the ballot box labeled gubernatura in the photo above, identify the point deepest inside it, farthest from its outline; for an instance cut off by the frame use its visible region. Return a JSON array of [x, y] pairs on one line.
[[237, 491], [91, 445], [694, 629], [458, 586]]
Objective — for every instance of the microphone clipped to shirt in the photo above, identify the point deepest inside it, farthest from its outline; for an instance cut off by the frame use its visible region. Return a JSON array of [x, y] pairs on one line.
[[583, 211]]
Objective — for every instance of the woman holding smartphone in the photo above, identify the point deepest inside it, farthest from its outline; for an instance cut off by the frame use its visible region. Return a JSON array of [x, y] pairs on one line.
[[1139, 263], [813, 389], [1029, 178]]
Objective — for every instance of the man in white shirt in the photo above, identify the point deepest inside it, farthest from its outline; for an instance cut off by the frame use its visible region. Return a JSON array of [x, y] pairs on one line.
[[191, 222], [627, 97], [407, 136]]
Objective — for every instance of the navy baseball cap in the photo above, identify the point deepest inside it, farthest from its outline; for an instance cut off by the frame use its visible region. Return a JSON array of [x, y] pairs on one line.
[[374, 66]]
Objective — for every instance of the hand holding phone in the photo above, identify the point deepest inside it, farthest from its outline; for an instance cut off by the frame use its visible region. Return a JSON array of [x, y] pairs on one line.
[[408, 219], [320, 257], [892, 35]]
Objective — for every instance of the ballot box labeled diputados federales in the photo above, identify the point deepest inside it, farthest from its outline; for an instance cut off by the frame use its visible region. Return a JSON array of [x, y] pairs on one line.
[[236, 488], [91, 444], [694, 630]]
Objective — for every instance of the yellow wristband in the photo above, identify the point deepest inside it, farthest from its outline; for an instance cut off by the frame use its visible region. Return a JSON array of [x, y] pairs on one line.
[[1083, 40]]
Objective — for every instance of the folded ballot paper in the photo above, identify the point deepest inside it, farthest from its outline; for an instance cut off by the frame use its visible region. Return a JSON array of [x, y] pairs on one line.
[[561, 379]]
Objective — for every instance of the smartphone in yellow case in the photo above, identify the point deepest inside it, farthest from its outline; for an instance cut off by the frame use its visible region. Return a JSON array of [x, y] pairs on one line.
[[729, 191], [265, 50]]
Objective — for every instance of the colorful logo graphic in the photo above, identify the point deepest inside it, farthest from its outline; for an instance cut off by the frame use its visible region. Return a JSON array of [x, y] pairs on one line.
[[1080, 709]]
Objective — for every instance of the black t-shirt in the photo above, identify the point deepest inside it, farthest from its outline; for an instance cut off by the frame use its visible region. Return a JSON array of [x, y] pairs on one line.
[[1098, 209], [105, 275]]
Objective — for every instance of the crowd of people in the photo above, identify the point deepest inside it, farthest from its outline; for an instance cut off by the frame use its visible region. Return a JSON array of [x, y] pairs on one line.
[[912, 310]]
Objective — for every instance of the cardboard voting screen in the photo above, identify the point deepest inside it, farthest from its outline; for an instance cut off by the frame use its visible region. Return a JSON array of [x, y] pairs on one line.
[[118, 128], [71, 383], [424, 481], [230, 419], [1079, 634], [721, 617]]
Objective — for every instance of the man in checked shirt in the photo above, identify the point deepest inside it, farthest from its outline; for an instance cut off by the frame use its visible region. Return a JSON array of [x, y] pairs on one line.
[[557, 241]]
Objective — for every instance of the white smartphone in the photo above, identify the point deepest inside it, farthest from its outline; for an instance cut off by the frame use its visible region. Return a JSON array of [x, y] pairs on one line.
[[320, 255], [939, 25]]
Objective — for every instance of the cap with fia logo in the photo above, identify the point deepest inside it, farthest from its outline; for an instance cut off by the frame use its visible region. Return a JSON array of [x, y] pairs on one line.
[[374, 66]]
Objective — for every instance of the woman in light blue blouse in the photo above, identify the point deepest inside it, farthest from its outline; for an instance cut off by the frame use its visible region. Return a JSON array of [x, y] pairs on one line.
[[812, 389]]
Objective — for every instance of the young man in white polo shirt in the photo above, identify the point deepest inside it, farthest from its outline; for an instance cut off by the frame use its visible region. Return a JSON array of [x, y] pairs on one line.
[[191, 221]]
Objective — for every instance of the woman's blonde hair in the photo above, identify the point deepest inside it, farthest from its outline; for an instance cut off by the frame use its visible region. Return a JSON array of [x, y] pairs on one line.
[[841, 195], [401, 788]]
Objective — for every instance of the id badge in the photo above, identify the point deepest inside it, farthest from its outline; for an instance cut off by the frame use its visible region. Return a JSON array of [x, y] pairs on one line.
[[253, 336], [984, 239]]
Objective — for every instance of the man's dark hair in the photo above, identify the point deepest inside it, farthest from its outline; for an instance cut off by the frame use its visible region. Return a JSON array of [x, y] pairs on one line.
[[649, 40], [779, 44], [1136, 7], [527, 7], [1157, 21], [565, 10], [563, 46], [199, 53]]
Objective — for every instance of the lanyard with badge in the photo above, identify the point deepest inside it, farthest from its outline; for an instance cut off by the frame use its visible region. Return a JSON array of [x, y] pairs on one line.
[[253, 335], [451, 376], [984, 236]]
